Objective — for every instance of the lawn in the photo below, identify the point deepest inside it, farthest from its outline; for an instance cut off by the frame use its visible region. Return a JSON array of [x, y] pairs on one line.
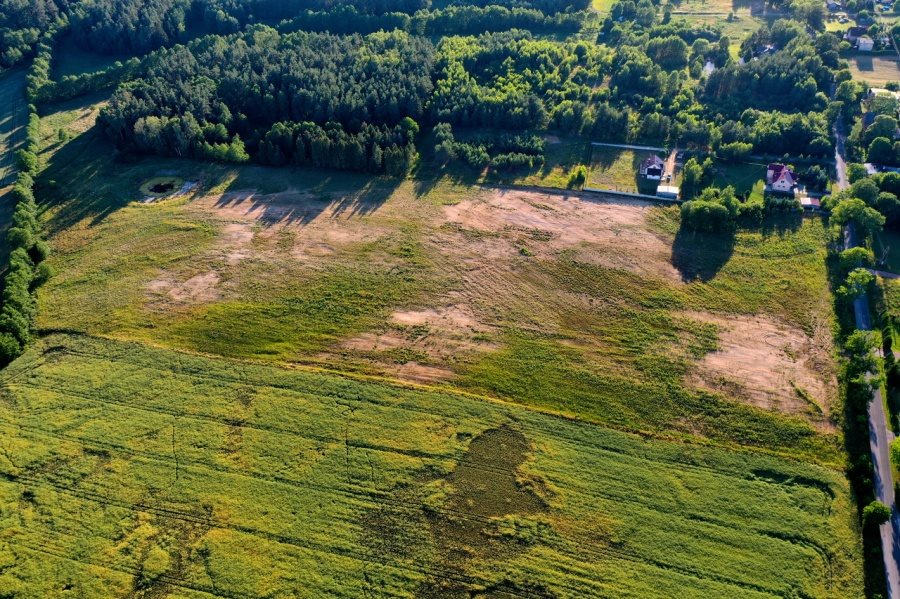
[[875, 70], [618, 170], [748, 179], [130, 468]]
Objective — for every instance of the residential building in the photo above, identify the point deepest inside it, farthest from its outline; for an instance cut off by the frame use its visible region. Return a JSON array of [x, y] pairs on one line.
[[653, 168]]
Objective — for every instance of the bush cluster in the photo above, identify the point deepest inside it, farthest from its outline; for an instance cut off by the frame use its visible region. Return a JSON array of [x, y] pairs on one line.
[[499, 152]]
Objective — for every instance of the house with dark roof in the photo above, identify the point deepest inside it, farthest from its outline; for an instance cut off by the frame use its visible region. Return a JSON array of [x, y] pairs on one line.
[[855, 32], [780, 178], [653, 168]]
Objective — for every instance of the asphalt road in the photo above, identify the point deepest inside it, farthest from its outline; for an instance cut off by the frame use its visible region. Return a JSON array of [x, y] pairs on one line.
[[880, 436]]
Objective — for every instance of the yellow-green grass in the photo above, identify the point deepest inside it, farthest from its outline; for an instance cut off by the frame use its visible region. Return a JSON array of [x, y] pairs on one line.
[[617, 169], [602, 6], [875, 70], [126, 468], [612, 346]]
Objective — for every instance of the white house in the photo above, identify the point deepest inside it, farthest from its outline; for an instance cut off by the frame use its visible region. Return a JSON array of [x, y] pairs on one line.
[[865, 44], [780, 178], [653, 168]]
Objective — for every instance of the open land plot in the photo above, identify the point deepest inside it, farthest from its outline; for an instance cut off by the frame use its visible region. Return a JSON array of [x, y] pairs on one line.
[[748, 179], [874, 69], [486, 309], [128, 470], [562, 157], [599, 310], [619, 170], [72, 59]]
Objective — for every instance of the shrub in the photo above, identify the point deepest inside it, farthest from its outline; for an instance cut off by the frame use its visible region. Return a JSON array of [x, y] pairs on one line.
[[876, 513], [578, 177]]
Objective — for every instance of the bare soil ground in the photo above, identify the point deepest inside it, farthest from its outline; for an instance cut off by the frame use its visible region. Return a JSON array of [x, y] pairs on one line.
[[613, 235], [770, 365], [487, 245]]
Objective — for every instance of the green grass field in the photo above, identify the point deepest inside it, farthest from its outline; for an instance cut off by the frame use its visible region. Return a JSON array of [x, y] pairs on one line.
[[318, 383], [617, 169], [875, 70], [127, 469], [748, 179]]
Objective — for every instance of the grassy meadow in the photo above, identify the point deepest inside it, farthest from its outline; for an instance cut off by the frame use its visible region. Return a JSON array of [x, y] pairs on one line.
[[128, 470], [299, 382]]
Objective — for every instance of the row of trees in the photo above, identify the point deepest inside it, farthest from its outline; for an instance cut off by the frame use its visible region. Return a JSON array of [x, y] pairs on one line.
[[453, 20], [499, 152], [27, 269]]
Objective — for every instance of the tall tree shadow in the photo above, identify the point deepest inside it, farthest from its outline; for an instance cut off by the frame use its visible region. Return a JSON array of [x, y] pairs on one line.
[[86, 179], [700, 256]]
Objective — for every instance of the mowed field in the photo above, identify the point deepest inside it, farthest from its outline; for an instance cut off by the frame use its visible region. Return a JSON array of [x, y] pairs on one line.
[[129, 471], [875, 70], [319, 383]]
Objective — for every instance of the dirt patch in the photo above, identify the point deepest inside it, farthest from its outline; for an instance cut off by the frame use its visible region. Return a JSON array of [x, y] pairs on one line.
[[771, 365], [327, 227], [199, 289], [507, 223], [439, 335], [235, 242]]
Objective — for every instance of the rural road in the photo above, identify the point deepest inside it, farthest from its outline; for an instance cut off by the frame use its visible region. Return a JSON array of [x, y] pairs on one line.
[[879, 440]]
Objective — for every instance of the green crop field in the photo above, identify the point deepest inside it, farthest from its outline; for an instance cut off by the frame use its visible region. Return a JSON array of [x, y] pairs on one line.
[[128, 468], [302, 382]]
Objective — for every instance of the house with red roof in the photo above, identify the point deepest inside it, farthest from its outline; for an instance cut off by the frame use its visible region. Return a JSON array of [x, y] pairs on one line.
[[780, 178]]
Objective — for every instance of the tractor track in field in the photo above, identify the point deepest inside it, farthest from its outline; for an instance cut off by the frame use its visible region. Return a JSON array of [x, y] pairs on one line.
[[383, 498], [172, 514], [605, 448]]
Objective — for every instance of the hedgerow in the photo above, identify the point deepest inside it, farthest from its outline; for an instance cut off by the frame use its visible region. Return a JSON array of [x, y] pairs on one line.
[[27, 269]]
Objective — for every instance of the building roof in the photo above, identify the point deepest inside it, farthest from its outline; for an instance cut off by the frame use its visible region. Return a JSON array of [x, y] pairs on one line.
[[784, 176], [810, 202], [776, 172], [671, 190], [652, 160]]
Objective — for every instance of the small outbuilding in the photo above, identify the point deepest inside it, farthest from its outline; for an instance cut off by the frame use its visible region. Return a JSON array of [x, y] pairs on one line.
[[653, 168], [811, 204], [865, 44], [669, 192]]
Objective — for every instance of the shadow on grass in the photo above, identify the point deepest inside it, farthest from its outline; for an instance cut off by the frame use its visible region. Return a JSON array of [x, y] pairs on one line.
[[341, 194], [87, 179], [700, 256]]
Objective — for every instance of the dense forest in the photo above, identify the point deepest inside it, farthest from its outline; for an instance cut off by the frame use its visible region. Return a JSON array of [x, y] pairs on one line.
[[213, 77]]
